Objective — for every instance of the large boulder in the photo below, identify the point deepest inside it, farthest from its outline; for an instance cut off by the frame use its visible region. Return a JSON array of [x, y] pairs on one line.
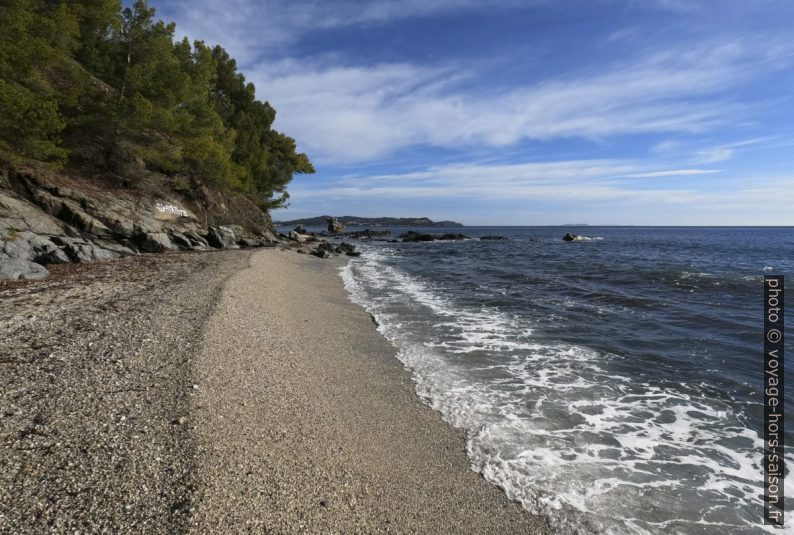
[[156, 242], [181, 241], [334, 226], [15, 269], [198, 243], [296, 236], [249, 243], [221, 237], [80, 250]]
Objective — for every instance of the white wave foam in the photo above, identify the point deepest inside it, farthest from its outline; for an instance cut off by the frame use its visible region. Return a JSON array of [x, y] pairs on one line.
[[592, 450]]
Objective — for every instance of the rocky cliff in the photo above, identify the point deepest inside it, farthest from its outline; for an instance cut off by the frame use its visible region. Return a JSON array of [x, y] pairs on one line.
[[50, 218]]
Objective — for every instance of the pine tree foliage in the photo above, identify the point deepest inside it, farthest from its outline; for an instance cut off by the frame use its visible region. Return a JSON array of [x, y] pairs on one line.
[[88, 82]]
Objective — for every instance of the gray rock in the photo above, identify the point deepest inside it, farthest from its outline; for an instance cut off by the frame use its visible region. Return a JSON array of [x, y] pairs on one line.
[[156, 242], [198, 243], [80, 250], [334, 226], [14, 269], [31, 247], [120, 249], [247, 242], [55, 256], [181, 241], [295, 236], [221, 238], [321, 253], [22, 215]]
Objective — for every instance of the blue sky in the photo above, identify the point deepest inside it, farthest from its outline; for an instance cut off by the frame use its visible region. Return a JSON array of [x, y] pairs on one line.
[[647, 112]]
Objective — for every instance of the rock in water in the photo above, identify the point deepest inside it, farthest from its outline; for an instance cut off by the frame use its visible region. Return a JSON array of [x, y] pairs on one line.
[[12, 269], [295, 236], [334, 226], [572, 237], [413, 236], [321, 253]]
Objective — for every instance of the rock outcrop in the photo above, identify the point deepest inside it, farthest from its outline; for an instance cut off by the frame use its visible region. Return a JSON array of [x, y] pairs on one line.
[[58, 220], [368, 233], [412, 236], [334, 226], [15, 269], [572, 237]]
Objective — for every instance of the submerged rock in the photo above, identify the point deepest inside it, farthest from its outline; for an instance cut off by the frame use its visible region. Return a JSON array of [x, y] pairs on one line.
[[368, 233], [494, 238], [412, 236]]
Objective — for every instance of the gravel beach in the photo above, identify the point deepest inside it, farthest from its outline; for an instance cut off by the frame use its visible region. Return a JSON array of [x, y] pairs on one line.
[[228, 392], [95, 374]]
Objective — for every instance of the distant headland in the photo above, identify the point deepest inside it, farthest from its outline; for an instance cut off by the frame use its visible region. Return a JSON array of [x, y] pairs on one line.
[[353, 221]]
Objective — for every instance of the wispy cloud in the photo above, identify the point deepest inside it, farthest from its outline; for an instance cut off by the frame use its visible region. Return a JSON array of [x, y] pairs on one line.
[[348, 114], [247, 28], [701, 154], [558, 180], [673, 173], [597, 191]]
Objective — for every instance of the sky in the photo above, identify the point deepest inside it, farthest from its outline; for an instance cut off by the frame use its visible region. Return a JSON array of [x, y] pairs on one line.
[[524, 112]]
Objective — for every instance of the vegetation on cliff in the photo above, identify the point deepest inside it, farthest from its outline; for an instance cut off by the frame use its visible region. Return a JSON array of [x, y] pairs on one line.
[[89, 85]]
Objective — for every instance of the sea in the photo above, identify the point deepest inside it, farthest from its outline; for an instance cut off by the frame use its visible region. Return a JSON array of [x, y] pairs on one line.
[[613, 384]]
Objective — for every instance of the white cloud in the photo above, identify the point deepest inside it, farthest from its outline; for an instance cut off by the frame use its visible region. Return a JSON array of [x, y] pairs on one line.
[[596, 191], [349, 114], [582, 180], [714, 154], [707, 154], [247, 28], [673, 172]]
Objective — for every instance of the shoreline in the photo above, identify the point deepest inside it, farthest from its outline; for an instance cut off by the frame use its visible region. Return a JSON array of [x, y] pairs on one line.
[[309, 423], [230, 391]]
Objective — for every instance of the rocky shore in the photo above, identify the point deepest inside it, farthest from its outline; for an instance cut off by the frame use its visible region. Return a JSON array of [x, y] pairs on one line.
[[49, 220], [220, 392]]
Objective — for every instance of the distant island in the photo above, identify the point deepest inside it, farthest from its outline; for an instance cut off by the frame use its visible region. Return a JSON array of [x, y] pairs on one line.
[[353, 221]]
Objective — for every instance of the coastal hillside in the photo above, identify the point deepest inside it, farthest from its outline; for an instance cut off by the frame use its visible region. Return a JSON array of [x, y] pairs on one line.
[[116, 138], [354, 221]]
